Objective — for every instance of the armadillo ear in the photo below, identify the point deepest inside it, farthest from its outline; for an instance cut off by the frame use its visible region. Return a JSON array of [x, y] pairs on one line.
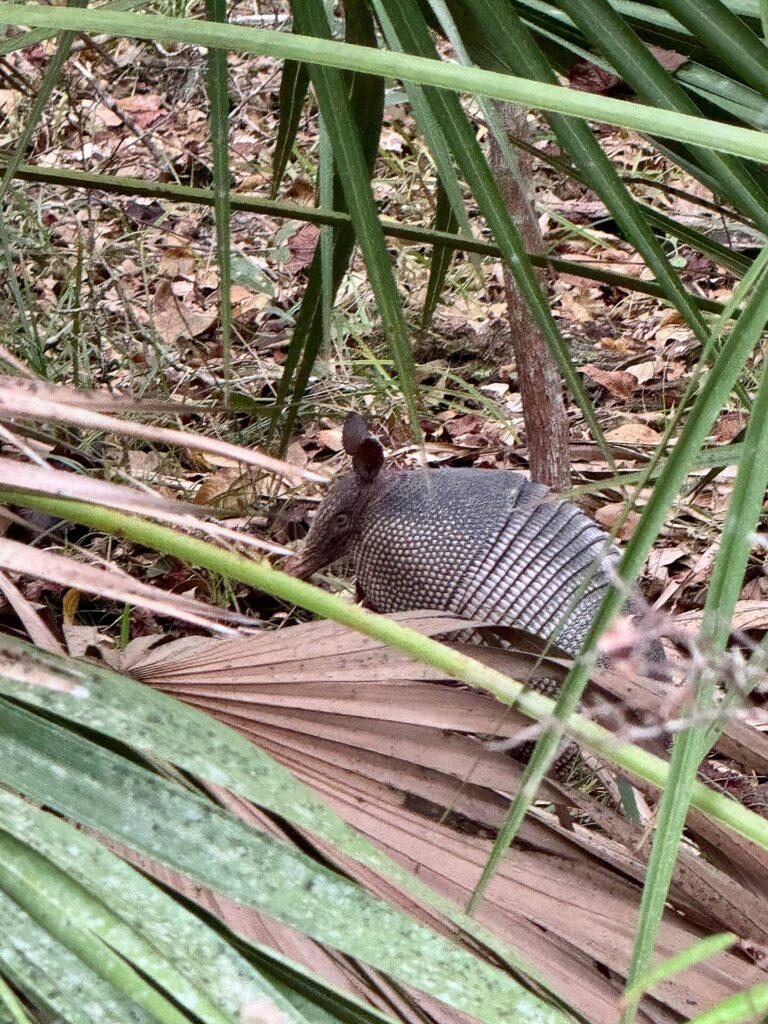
[[368, 460], [354, 432]]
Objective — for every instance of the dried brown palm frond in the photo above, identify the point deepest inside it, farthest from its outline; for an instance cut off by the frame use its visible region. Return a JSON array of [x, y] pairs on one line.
[[402, 754], [25, 400]]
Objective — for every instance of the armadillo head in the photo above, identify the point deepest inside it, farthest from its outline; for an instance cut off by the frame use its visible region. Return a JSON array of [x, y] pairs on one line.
[[340, 517]]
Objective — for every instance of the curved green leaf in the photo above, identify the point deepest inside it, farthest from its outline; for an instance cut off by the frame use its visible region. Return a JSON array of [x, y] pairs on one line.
[[166, 942], [55, 978], [366, 102], [502, 33], [725, 138], [190, 834], [403, 18], [445, 220], [727, 36], [637, 66]]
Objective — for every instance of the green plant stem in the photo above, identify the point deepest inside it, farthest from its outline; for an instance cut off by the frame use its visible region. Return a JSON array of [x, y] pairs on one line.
[[686, 128], [453, 663]]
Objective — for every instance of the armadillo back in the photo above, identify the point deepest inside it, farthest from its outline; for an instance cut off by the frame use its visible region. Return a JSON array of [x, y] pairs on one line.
[[486, 544]]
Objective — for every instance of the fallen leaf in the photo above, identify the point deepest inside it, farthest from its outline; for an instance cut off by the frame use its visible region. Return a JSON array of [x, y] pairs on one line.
[[302, 245], [80, 639], [177, 261], [618, 382], [141, 102], [587, 77], [646, 370], [660, 558], [301, 190], [145, 119], [144, 211], [670, 60], [674, 370], [633, 433], [573, 307], [296, 456], [728, 425], [215, 485], [747, 615], [392, 142], [609, 515], [69, 605], [756, 589], [9, 100], [173, 319], [622, 344], [331, 439], [105, 116]]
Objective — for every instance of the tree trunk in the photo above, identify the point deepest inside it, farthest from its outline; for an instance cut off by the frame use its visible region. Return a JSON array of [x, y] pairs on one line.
[[541, 390]]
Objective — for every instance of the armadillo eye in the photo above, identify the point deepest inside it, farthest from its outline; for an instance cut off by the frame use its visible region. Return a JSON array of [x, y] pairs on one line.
[[342, 520]]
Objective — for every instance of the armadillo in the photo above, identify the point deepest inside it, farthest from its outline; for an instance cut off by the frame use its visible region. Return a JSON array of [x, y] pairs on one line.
[[485, 544]]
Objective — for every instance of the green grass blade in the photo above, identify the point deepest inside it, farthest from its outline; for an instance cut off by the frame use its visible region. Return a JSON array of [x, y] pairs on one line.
[[42, 98], [434, 135], [740, 1007], [366, 101], [732, 95], [161, 727], [78, 922], [123, 185], [711, 458], [745, 509], [294, 86], [50, 80], [488, 110], [326, 175], [687, 958], [54, 978], [180, 943], [404, 18], [736, 262], [31, 38], [645, 12], [218, 100], [445, 220], [10, 1007]]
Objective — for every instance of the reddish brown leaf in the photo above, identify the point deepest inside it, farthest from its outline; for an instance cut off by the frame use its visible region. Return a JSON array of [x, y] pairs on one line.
[[302, 245], [670, 60], [609, 515], [728, 425], [587, 77], [618, 382], [174, 319]]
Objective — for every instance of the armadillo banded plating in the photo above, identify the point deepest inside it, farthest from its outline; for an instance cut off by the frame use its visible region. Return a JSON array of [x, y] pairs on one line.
[[487, 544], [484, 544]]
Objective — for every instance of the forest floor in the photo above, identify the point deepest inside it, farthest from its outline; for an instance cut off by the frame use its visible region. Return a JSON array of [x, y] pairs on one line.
[[118, 296], [121, 294]]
